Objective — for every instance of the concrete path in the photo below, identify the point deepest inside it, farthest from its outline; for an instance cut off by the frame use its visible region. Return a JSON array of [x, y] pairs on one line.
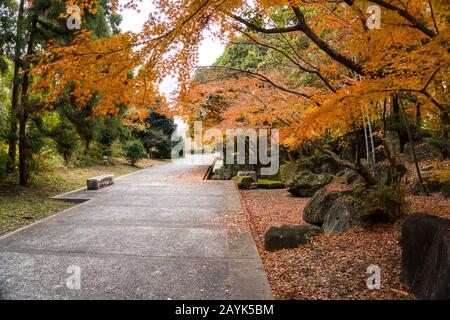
[[155, 234]]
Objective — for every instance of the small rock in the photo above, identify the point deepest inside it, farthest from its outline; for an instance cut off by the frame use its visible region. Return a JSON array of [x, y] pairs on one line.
[[251, 174], [289, 236], [244, 182]]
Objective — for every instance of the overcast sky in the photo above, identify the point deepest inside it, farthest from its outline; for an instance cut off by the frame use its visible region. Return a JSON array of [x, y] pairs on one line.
[[210, 49]]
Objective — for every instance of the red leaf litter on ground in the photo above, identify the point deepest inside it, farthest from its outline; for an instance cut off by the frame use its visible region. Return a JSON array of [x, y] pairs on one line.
[[332, 266]]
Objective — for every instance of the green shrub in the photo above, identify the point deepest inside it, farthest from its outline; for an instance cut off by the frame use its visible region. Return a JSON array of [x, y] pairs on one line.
[[134, 151], [379, 203], [3, 161], [83, 158], [65, 138]]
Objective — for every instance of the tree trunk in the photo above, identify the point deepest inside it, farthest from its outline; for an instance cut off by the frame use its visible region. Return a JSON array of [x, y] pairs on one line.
[[371, 140], [391, 159], [15, 92], [24, 150], [445, 132], [419, 175], [366, 139], [358, 167], [418, 116], [396, 113]]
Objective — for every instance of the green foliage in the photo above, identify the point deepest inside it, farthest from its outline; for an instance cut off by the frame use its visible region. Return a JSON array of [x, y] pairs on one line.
[[65, 138], [8, 12], [3, 161], [6, 79], [35, 138], [156, 134], [4, 116], [134, 151], [87, 126], [86, 158], [110, 131], [241, 55], [379, 203]]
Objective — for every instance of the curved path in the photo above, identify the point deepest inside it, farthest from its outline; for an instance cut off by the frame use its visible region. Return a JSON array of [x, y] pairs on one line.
[[155, 234]]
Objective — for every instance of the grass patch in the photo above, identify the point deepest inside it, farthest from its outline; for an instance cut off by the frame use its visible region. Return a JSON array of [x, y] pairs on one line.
[[270, 184], [20, 206]]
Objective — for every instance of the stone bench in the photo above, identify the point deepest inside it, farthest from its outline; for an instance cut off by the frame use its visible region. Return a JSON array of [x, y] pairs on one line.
[[99, 182]]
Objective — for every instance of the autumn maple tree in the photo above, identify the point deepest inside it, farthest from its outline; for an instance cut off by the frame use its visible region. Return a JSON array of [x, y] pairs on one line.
[[344, 74]]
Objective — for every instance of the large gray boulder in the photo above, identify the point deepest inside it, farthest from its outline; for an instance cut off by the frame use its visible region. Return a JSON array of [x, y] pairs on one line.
[[341, 216], [289, 236], [306, 183], [317, 207], [425, 242]]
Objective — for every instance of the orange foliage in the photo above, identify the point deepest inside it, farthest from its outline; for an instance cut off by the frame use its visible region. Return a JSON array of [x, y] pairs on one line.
[[409, 53]]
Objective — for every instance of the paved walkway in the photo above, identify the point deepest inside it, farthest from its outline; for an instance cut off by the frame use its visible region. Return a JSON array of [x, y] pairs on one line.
[[155, 234]]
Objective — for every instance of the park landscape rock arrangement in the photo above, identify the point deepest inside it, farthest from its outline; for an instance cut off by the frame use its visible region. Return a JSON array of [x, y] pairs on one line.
[[318, 206], [425, 242], [341, 216], [334, 211], [306, 183]]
